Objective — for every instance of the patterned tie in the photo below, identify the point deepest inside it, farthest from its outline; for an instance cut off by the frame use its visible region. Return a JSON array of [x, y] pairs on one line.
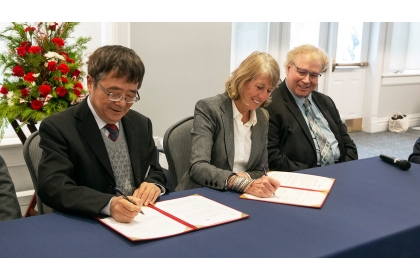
[[323, 144], [113, 131]]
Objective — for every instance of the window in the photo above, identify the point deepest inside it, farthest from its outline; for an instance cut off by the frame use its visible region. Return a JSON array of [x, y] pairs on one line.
[[349, 39], [304, 33], [403, 45], [247, 37]]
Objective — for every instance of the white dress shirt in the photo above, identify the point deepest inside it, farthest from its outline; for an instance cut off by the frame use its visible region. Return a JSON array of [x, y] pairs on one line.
[[242, 137]]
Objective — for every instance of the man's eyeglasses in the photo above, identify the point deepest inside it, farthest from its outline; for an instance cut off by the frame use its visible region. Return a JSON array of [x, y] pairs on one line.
[[304, 72], [117, 97]]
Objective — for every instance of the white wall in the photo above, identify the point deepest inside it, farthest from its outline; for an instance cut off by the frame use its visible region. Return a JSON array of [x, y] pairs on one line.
[[184, 62], [402, 98]]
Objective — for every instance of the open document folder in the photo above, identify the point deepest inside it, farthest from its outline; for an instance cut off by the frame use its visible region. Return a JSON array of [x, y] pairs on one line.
[[175, 216], [298, 189]]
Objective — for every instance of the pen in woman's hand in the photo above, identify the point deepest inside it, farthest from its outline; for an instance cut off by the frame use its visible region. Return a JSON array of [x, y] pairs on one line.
[[125, 196], [263, 169], [265, 173]]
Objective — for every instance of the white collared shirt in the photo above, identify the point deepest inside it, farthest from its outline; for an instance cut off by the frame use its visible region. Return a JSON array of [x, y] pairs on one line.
[[242, 138], [101, 124]]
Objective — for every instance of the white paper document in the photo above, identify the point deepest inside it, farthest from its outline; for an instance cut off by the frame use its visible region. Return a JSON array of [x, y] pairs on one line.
[[175, 216], [298, 189]]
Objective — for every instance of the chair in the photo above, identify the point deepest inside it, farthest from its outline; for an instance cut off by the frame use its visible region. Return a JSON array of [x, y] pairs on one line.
[[177, 148], [32, 155]]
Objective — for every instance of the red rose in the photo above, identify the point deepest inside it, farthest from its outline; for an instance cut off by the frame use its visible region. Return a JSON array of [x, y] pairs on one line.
[[63, 54], [63, 68], [24, 92], [29, 77], [4, 90], [61, 91], [34, 49], [78, 85], [69, 60], [18, 71], [21, 51], [26, 45], [44, 90], [58, 41], [52, 26], [52, 65], [64, 80], [77, 91], [30, 29], [75, 73], [36, 104]]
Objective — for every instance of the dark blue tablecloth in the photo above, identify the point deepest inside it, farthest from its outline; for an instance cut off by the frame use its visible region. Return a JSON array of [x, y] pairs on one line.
[[373, 210]]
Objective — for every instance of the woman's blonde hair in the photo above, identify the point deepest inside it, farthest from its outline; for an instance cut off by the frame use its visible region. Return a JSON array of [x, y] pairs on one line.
[[256, 64]]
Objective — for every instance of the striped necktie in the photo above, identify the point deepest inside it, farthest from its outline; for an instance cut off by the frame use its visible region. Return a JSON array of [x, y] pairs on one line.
[[323, 144], [113, 131]]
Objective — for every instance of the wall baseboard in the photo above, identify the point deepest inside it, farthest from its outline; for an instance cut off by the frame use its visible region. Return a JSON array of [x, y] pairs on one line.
[[381, 124]]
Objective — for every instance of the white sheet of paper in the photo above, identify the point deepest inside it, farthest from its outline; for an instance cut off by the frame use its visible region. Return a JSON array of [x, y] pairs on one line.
[[298, 189], [150, 225], [293, 197], [302, 181], [199, 211]]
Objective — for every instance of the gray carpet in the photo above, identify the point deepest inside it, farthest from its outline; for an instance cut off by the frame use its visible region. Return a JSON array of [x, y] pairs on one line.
[[398, 145]]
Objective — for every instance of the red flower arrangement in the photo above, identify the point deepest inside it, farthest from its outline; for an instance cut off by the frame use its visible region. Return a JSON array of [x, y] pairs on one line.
[[42, 71]]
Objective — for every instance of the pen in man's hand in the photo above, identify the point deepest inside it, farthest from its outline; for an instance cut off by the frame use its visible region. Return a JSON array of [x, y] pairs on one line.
[[147, 172], [125, 196]]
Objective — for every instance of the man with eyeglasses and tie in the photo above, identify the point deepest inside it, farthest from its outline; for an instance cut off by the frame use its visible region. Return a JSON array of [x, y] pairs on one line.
[[305, 128], [100, 148]]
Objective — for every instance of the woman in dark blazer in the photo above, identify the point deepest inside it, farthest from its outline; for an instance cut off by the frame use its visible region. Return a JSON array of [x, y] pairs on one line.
[[229, 135]]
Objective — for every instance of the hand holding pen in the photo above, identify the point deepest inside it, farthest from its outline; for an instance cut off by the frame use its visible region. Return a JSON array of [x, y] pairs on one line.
[[265, 186], [263, 169], [276, 183], [117, 190]]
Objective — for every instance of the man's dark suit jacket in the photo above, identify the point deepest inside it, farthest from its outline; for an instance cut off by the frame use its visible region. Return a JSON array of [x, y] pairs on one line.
[[415, 156], [75, 173], [9, 205], [290, 144]]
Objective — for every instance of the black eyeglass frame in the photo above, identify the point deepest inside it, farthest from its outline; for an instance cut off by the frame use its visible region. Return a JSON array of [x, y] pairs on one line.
[[304, 72], [119, 97]]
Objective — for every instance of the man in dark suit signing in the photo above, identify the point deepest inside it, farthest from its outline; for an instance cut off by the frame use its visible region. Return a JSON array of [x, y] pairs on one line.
[[100, 144], [305, 128]]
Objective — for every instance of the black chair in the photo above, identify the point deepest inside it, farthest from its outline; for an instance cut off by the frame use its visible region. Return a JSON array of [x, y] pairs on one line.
[[32, 155], [177, 148]]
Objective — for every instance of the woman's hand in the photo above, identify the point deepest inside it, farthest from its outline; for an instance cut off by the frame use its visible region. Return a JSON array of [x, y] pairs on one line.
[[263, 187]]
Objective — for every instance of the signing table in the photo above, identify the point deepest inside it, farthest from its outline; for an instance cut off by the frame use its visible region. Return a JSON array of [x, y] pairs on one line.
[[373, 210]]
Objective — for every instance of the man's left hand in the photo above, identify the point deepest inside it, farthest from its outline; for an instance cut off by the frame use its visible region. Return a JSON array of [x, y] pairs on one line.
[[147, 193]]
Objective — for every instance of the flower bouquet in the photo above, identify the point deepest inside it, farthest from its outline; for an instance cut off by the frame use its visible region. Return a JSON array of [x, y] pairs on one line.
[[42, 72]]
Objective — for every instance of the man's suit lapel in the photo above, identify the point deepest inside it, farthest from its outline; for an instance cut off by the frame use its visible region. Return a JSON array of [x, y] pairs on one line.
[[88, 128], [296, 112], [227, 119]]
